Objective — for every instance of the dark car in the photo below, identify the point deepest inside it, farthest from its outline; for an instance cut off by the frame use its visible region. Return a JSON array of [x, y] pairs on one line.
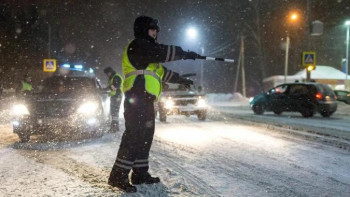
[[177, 99], [306, 98], [70, 105], [343, 96]]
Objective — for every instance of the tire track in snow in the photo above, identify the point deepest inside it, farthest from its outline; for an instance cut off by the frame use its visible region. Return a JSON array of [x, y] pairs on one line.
[[202, 185], [280, 181]]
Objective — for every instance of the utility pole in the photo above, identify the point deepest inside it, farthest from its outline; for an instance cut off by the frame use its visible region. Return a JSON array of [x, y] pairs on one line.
[[237, 71], [202, 72], [49, 44], [308, 72], [242, 64]]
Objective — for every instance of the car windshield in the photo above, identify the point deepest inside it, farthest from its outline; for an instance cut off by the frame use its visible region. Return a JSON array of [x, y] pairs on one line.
[[67, 85], [178, 87]]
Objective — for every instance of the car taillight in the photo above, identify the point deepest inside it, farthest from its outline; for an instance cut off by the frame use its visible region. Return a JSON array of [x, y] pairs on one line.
[[319, 95]]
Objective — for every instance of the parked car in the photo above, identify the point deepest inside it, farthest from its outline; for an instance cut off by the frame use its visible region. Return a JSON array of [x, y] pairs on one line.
[[306, 98], [179, 99], [343, 96], [69, 104]]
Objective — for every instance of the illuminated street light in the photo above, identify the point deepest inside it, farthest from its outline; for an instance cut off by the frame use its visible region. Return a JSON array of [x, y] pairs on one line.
[[347, 24], [191, 33], [294, 17]]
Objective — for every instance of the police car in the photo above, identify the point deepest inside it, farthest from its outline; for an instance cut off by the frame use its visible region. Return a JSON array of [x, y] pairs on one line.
[[72, 102], [177, 99]]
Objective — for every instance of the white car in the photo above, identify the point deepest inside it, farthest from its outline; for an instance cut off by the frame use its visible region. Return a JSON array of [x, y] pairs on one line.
[[179, 99]]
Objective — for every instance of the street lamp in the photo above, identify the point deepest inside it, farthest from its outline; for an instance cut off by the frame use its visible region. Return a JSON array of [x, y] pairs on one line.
[[293, 17], [191, 33], [347, 24]]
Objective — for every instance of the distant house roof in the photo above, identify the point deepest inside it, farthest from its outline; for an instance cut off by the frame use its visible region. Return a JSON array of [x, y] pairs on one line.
[[321, 72]]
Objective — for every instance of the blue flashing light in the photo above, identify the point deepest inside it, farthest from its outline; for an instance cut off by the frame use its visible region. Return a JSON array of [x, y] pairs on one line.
[[66, 65], [91, 70], [78, 66]]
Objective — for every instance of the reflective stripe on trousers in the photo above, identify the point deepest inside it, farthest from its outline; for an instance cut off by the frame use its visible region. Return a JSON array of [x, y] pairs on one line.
[[137, 139]]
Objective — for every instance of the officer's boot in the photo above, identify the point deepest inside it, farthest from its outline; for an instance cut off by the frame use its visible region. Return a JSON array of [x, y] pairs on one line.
[[142, 178], [119, 178]]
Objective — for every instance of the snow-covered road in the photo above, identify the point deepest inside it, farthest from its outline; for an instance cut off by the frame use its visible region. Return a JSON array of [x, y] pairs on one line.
[[338, 125], [192, 158]]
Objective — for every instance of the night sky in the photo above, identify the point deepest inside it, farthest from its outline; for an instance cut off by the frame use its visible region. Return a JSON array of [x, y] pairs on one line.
[[94, 33]]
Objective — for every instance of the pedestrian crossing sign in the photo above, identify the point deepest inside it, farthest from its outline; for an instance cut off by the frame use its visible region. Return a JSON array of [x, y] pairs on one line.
[[49, 65], [309, 58]]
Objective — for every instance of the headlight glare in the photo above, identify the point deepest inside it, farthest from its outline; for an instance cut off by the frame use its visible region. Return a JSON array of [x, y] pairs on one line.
[[169, 104], [201, 103], [88, 108], [19, 110]]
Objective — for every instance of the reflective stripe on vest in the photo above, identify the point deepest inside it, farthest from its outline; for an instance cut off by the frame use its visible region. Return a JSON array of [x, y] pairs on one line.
[[153, 75], [26, 86], [110, 83]]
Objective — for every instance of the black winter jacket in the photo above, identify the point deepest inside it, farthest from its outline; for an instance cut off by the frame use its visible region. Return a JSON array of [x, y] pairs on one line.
[[143, 51]]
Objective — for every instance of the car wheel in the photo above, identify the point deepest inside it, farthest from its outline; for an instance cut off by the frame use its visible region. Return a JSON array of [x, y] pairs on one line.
[[202, 115], [326, 114], [307, 113], [24, 136], [258, 109], [277, 112]]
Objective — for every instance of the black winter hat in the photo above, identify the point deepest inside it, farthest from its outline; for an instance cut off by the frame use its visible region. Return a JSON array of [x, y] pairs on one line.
[[143, 24], [108, 70]]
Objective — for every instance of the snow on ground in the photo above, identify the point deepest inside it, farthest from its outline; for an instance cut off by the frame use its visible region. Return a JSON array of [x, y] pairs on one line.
[[192, 158], [224, 99]]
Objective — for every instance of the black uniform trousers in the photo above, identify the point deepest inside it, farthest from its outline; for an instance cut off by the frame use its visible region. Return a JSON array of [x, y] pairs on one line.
[[114, 107], [137, 138]]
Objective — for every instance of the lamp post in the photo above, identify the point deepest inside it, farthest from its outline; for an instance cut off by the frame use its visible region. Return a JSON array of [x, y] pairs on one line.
[[347, 24], [293, 17], [201, 79]]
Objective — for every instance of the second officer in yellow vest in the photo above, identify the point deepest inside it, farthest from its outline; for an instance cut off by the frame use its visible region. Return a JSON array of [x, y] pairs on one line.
[[25, 87], [115, 83], [143, 75]]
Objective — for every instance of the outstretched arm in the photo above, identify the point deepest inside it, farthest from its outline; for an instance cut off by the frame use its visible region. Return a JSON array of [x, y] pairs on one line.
[[145, 51]]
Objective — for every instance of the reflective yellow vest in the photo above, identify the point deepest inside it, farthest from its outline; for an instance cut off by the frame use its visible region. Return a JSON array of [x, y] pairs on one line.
[[26, 86], [153, 75], [110, 83]]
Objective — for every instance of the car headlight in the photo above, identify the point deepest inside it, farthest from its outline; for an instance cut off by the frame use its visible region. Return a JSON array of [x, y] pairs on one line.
[[201, 103], [251, 99], [88, 108], [169, 104], [20, 110]]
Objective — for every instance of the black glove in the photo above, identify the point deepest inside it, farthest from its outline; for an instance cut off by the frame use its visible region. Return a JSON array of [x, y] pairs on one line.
[[190, 55]]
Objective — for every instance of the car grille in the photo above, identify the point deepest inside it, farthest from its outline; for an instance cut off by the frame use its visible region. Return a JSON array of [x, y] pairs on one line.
[[54, 108], [185, 102]]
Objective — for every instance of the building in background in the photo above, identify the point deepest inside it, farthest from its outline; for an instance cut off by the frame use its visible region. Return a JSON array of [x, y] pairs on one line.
[[323, 74]]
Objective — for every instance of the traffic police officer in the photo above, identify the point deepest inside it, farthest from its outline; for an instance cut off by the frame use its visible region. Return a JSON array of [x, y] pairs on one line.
[[25, 87], [115, 85], [143, 75]]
